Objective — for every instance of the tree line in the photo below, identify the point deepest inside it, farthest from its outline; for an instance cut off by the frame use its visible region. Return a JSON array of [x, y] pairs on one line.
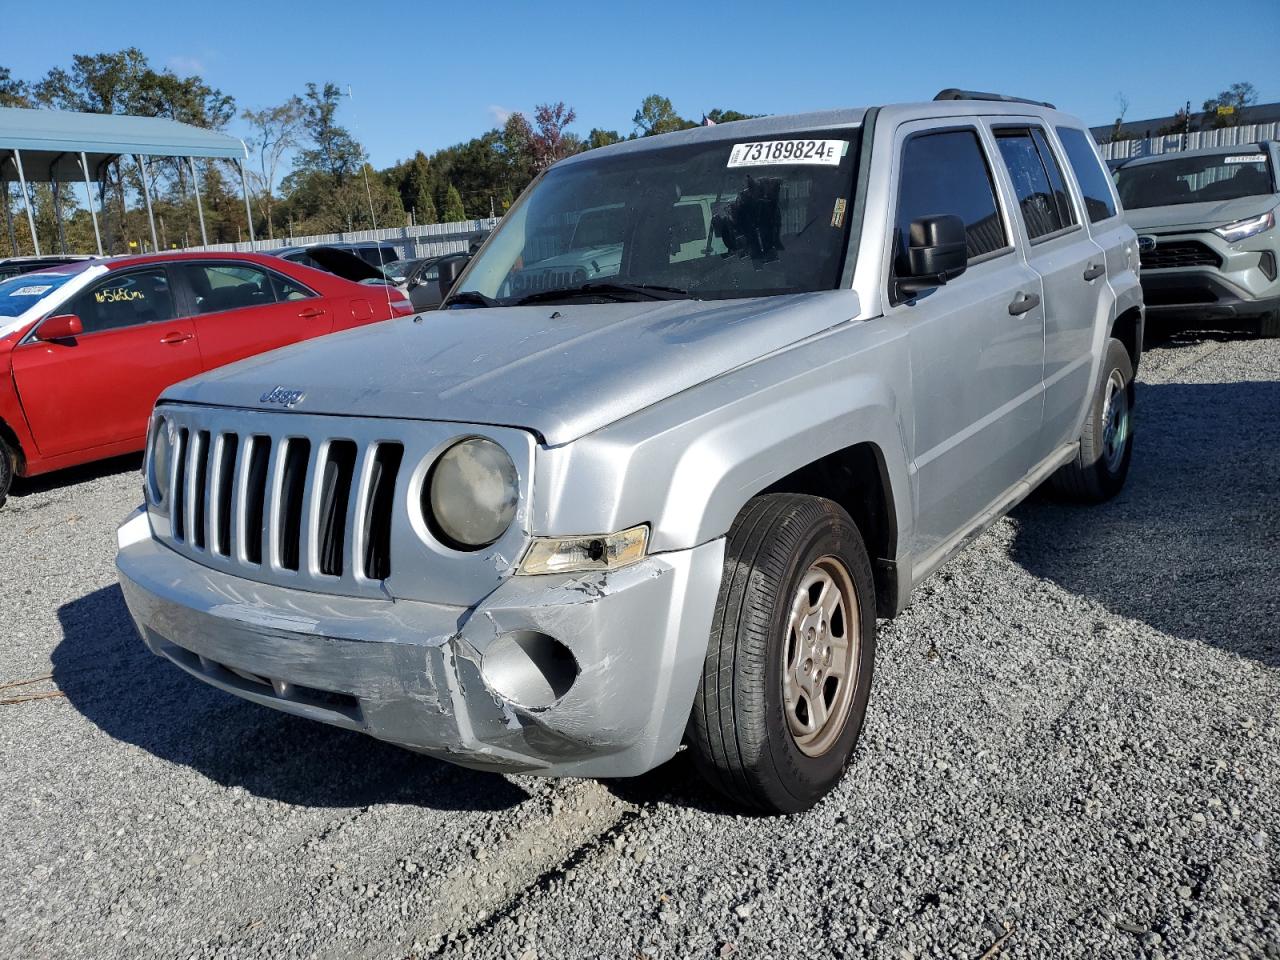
[[307, 173]]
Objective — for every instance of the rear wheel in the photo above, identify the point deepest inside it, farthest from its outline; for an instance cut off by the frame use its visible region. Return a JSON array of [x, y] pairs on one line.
[[1101, 464], [788, 668]]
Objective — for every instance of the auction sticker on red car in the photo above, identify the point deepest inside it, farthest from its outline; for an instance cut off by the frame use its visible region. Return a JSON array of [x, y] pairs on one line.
[[765, 153]]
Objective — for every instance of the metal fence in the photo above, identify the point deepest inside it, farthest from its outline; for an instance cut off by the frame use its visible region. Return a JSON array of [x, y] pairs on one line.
[[428, 240], [1223, 137]]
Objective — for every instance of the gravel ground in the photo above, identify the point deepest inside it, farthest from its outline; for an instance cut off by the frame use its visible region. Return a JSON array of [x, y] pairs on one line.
[[1073, 750]]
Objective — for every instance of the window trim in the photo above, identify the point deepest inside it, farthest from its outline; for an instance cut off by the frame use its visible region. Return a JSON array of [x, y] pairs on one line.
[[32, 335], [189, 293], [1116, 207], [1053, 234], [1010, 246]]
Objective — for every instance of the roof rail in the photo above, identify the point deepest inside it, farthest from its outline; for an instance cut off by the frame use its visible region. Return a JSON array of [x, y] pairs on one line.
[[953, 93]]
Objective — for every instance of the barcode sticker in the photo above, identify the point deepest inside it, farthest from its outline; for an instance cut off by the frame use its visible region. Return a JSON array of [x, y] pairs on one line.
[[767, 153], [1245, 158], [32, 291]]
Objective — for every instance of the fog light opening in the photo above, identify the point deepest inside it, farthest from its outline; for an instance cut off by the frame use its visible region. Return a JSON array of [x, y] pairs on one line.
[[530, 669]]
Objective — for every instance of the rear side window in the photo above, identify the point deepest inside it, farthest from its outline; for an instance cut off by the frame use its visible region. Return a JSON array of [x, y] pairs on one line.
[[1037, 181], [125, 300], [228, 286], [1093, 180], [946, 173]]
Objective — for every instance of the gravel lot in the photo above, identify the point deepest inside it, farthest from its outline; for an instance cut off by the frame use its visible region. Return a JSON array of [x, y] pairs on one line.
[[1073, 750]]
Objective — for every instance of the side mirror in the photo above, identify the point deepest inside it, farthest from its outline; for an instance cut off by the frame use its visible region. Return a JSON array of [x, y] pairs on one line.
[[450, 270], [62, 327], [936, 252]]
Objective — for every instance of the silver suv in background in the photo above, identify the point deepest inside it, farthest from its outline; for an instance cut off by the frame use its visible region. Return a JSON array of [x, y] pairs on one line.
[[597, 507], [1206, 224]]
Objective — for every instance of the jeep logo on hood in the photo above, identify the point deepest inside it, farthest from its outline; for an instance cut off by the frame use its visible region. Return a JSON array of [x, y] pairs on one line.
[[286, 398]]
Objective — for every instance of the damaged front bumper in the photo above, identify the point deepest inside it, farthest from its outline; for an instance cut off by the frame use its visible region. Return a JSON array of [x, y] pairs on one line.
[[415, 673]]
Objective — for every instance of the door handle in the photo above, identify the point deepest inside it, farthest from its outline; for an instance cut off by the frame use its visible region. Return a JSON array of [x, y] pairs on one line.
[[1094, 271], [175, 337], [1024, 302], [311, 313]]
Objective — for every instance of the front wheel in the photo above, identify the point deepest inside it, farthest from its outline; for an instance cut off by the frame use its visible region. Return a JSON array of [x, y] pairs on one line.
[[788, 668], [1106, 443], [8, 463]]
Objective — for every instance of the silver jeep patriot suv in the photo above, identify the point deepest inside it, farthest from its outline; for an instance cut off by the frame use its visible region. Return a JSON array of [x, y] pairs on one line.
[[1207, 235], [702, 408]]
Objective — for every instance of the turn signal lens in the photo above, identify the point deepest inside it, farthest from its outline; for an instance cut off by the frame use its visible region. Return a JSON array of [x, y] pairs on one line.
[[580, 554]]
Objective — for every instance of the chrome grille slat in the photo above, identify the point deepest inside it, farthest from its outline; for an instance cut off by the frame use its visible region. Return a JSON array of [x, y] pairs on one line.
[[353, 565], [271, 507], [307, 532]]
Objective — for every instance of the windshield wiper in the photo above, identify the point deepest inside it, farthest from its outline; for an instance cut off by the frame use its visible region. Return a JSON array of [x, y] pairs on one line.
[[607, 288], [473, 297]]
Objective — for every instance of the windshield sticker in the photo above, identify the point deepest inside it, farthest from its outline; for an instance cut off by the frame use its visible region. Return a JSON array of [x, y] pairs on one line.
[[837, 213], [35, 291], [1245, 158], [118, 295], [768, 153]]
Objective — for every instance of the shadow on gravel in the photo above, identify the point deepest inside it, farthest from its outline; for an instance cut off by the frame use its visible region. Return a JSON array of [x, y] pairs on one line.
[[26, 486], [139, 698], [1190, 546]]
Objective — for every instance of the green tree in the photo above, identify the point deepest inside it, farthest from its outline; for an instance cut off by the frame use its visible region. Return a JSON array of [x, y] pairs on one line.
[[1227, 108], [728, 116], [13, 93], [658, 115], [453, 209], [601, 138], [333, 149]]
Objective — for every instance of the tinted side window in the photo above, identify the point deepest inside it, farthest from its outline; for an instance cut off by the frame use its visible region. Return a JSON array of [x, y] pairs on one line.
[[1036, 196], [1061, 196], [125, 300], [286, 289], [946, 173], [1093, 180], [228, 286]]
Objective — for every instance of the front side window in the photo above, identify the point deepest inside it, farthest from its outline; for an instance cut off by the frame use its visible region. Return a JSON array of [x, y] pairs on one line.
[[124, 300], [228, 286], [1093, 180], [1245, 172], [1037, 181], [946, 173], [700, 220]]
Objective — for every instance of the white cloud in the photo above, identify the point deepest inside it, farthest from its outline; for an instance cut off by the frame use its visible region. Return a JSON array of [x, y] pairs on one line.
[[185, 64], [499, 113]]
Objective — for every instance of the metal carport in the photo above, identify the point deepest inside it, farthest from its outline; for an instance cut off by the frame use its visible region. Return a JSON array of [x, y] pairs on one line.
[[59, 146]]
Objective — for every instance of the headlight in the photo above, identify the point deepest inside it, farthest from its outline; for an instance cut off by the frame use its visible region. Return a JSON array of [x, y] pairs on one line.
[[579, 554], [471, 493], [1242, 229], [160, 460]]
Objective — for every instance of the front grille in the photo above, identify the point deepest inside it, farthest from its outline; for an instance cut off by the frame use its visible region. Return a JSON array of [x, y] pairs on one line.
[[320, 502], [1179, 253], [249, 499]]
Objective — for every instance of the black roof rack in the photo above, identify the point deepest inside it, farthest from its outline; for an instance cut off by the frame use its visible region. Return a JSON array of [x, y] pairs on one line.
[[953, 93]]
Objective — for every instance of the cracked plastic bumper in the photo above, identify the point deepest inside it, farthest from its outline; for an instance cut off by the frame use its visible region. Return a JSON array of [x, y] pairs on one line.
[[410, 672]]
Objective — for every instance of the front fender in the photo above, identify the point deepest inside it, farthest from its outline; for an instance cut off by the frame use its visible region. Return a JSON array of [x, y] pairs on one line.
[[688, 465]]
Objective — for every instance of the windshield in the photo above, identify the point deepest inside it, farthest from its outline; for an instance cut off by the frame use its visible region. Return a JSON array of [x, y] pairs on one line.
[[1195, 179], [708, 221], [398, 270], [19, 294]]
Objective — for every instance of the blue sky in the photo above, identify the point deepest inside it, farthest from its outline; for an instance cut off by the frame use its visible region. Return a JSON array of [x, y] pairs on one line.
[[426, 75]]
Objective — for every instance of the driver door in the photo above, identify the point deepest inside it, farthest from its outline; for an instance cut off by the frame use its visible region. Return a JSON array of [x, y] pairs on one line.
[[98, 388]]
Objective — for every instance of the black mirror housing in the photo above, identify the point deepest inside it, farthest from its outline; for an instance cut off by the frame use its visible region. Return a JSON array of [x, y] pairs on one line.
[[449, 271], [937, 251]]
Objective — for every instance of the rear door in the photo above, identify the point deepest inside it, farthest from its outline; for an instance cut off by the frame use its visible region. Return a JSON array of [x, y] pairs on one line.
[[242, 309], [976, 357], [1072, 269], [99, 388]]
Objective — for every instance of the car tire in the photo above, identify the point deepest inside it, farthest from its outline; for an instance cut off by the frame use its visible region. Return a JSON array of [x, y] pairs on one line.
[[1101, 464], [8, 465], [1269, 325], [779, 639]]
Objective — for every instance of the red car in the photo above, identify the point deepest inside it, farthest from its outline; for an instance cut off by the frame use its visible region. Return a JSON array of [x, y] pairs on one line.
[[85, 348]]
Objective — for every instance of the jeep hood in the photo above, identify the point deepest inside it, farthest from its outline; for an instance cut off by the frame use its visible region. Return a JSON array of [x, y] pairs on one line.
[[561, 371], [1197, 216]]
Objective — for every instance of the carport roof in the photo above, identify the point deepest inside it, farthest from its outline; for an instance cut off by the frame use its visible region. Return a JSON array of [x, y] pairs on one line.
[[51, 140]]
